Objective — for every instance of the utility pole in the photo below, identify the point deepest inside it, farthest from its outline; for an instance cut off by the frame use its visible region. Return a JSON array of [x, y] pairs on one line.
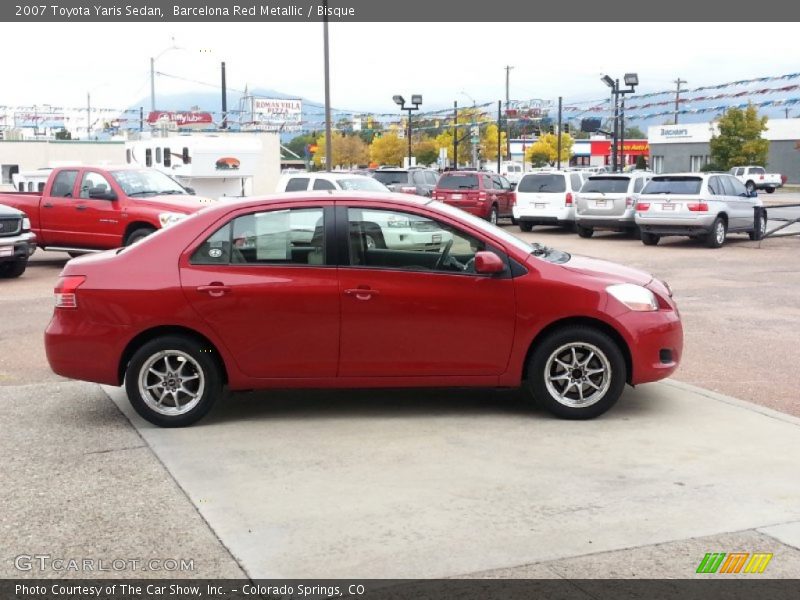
[[558, 132], [508, 126], [455, 134], [614, 148], [499, 112], [224, 100], [678, 83], [328, 142], [88, 115]]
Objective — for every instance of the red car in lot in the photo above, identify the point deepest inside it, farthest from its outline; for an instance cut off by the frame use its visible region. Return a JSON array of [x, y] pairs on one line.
[[485, 195], [285, 292]]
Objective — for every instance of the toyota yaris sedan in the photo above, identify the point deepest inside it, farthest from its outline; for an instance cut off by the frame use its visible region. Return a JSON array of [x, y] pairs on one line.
[[285, 292]]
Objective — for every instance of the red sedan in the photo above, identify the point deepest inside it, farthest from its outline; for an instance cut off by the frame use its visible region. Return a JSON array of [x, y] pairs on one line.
[[287, 293]]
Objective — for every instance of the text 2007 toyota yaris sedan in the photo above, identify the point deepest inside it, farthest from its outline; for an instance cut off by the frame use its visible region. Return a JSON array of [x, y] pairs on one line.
[[309, 292]]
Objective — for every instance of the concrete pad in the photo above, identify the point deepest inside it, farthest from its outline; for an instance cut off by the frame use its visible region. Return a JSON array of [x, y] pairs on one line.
[[78, 482], [670, 560], [446, 483], [788, 533]]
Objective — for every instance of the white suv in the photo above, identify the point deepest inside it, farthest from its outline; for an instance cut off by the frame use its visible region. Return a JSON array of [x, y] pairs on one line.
[[306, 182], [703, 206], [547, 198]]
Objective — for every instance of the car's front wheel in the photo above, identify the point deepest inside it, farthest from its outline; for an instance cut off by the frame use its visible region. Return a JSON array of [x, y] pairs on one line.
[[173, 381], [576, 372], [650, 239], [14, 268], [585, 232]]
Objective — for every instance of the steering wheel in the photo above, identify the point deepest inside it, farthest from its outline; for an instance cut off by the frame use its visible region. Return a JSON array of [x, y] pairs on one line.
[[443, 258]]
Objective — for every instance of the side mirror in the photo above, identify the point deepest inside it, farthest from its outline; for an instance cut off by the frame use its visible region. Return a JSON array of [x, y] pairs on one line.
[[513, 185], [102, 193], [753, 194], [488, 263]]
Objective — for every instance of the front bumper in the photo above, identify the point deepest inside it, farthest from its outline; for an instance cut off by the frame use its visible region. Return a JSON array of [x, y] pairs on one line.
[[656, 344], [18, 247]]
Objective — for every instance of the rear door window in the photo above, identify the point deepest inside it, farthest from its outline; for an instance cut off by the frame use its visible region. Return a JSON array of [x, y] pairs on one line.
[[297, 184], [323, 184], [391, 177], [543, 183], [715, 187]]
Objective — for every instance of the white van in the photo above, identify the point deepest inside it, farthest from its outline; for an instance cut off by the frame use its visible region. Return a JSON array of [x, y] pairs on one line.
[[547, 198]]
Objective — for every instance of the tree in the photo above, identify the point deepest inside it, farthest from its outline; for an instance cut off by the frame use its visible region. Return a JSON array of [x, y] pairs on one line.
[[739, 141], [388, 149], [298, 144], [489, 142], [634, 133], [547, 147], [641, 162], [538, 157], [426, 151], [348, 150]]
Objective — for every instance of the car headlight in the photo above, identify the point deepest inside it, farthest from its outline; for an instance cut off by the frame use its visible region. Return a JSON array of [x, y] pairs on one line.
[[169, 218], [634, 296], [26, 224]]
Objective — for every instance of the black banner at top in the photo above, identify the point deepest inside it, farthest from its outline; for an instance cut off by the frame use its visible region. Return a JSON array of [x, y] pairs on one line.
[[408, 11]]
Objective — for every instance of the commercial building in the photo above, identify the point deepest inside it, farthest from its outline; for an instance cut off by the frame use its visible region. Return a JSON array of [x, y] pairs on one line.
[[686, 147]]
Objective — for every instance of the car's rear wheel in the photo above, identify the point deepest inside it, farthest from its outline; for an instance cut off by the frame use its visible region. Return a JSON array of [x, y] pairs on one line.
[[770, 190], [585, 232], [525, 226], [576, 372], [650, 239], [173, 381], [716, 237], [750, 186], [493, 215]]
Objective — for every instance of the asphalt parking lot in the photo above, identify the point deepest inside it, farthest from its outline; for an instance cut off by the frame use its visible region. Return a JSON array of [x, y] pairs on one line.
[[430, 484]]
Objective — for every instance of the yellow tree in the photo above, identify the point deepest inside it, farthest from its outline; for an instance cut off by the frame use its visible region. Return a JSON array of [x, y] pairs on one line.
[[388, 149], [547, 147], [489, 135], [354, 151]]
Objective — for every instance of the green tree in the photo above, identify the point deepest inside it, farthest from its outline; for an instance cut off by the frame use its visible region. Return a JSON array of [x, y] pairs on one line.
[[634, 133], [298, 144], [425, 151], [641, 162], [739, 141]]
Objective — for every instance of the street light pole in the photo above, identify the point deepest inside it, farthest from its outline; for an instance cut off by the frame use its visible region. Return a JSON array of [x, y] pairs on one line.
[[416, 100], [409, 109], [615, 91], [152, 84], [328, 142]]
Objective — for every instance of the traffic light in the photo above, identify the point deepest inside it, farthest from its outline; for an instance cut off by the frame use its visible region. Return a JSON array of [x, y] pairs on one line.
[[566, 127], [552, 129]]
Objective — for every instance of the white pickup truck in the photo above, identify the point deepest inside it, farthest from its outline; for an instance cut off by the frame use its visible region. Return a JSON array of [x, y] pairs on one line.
[[756, 178]]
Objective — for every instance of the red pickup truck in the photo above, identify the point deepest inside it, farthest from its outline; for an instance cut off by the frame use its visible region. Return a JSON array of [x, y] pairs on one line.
[[87, 209]]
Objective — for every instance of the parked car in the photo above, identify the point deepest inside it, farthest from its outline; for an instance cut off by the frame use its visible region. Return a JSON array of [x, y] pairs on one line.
[[703, 206], [323, 180], [88, 209], [485, 195], [757, 178], [408, 234], [194, 312], [17, 242], [608, 202], [415, 180], [547, 198]]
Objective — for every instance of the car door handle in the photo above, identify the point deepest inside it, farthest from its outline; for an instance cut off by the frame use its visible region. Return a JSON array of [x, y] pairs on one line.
[[361, 293], [215, 290], [81, 207], [47, 205]]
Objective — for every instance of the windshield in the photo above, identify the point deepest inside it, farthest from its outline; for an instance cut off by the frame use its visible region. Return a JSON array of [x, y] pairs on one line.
[[538, 250], [391, 177], [673, 185], [458, 182], [606, 185], [146, 182], [365, 184], [543, 183]]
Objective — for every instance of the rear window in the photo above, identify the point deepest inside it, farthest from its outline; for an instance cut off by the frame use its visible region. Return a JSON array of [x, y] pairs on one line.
[[458, 182], [606, 185], [391, 177], [757, 171], [673, 185], [543, 182]]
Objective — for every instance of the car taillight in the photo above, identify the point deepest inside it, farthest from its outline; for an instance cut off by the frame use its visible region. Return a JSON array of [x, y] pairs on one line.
[[407, 189], [642, 206], [628, 202], [761, 177], [513, 198], [481, 195], [697, 207], [65, 291], [568, 202]]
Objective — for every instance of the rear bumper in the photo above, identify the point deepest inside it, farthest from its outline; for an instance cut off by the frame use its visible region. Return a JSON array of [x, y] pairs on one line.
[[544, 216], [596, 222], [664, 226]]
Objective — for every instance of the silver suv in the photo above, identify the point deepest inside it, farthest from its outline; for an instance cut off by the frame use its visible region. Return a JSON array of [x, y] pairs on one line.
[[703, 206], [608, 202]]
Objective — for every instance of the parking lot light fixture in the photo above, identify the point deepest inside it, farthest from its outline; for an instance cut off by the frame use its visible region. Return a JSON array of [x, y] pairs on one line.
[[608, 81], [416, 100], [631, 79]]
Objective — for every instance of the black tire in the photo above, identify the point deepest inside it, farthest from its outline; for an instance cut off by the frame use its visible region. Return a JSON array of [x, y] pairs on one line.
[[719, 231], [526, 227], [184, 355], [750, 186], [13, 269], [138, 235], [514, 221], [561, 396], [585, 232], [762, 223], [493, 215], [650, 239], [770, 190]]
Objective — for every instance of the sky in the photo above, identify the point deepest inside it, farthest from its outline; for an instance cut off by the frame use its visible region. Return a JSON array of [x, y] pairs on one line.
[[59, 63]]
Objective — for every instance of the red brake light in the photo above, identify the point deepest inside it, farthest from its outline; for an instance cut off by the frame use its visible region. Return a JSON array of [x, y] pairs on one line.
[[569, 199], [65, 291], [642, 206], [697, 207]]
